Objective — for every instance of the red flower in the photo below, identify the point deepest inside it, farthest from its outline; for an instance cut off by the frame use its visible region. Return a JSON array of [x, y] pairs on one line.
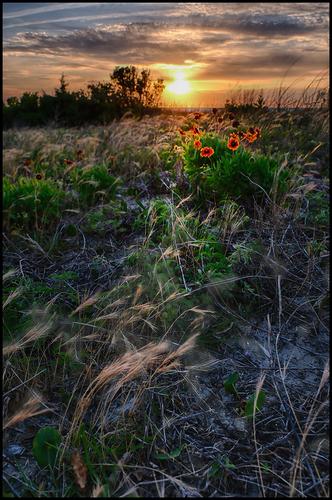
[[233, 142], [195, 131], [197, 144], [207, 152], [251, 137]]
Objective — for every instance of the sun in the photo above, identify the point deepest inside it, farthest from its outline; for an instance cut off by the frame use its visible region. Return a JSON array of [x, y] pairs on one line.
[[180, 86]]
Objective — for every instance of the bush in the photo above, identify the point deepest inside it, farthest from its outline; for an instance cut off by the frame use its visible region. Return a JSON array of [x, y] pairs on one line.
[[94, 184], [31, 203], [240, 173]]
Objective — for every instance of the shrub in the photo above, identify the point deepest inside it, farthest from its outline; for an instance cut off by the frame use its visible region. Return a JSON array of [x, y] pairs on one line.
[[196, 244], [31, 203], [94, 184], [239, 173]]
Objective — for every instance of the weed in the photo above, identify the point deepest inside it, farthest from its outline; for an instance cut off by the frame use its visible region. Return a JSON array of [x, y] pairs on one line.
[[236, 174], [31, 203], [318, 209], [94, 184]]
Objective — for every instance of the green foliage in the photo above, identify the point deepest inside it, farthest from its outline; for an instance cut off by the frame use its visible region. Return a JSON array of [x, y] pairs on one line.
[[97, 221], [31, 203], [106, 218], [46, 445], [241, 173], [94, 184], [211, 257], [318, 208], [251, 408], [219, 467], [229, 383], [168, 456]]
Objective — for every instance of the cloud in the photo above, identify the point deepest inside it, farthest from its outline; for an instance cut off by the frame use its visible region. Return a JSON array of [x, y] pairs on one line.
[[135, 43], [273, 63]]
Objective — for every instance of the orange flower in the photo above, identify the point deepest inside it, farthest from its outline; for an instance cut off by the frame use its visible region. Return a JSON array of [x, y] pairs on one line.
[[207, 152], [233, 142], [181, 132], [195, 131], [251, 137], [197, 144]]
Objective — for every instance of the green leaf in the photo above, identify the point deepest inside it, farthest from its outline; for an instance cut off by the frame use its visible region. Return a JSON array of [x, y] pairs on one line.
[[166, 456], [250, 405], [228, 464], [213, 470], [45, 446], [230, 382]]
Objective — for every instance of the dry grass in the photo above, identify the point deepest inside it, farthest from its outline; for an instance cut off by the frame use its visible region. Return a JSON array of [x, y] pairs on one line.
[[133, 357]]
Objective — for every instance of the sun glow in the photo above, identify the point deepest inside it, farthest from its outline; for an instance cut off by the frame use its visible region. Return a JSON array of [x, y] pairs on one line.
[[180, 86]]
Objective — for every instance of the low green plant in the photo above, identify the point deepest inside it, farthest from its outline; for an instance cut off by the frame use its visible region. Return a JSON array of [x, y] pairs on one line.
[[31, 203], [46, 445], [254, 404], [20, 296], [237, 174], [94, 184], [318, 208], [229, 383], [169, 456]]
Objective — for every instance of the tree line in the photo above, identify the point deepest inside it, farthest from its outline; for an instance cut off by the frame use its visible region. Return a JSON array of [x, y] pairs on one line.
[[127, 90]]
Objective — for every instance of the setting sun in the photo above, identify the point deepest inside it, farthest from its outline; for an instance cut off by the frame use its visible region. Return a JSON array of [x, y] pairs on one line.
[[180, 86]]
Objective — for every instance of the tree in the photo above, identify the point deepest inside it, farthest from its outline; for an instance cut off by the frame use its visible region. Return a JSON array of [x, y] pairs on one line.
[[134, 90]]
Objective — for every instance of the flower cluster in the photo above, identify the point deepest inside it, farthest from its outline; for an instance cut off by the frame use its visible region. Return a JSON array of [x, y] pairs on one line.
[[234, 140], [252, 134]]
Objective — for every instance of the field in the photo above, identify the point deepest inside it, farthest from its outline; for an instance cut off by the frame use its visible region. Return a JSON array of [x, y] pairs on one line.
[[166, 307]]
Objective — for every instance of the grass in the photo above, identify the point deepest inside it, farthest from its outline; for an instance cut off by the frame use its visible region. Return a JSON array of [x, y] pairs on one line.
[[166, 315]]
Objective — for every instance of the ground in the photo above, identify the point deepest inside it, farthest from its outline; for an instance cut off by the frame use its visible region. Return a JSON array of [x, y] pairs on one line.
[[173, 333]]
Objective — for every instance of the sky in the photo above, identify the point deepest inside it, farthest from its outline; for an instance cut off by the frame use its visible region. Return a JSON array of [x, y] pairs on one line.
[[203, 51]]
